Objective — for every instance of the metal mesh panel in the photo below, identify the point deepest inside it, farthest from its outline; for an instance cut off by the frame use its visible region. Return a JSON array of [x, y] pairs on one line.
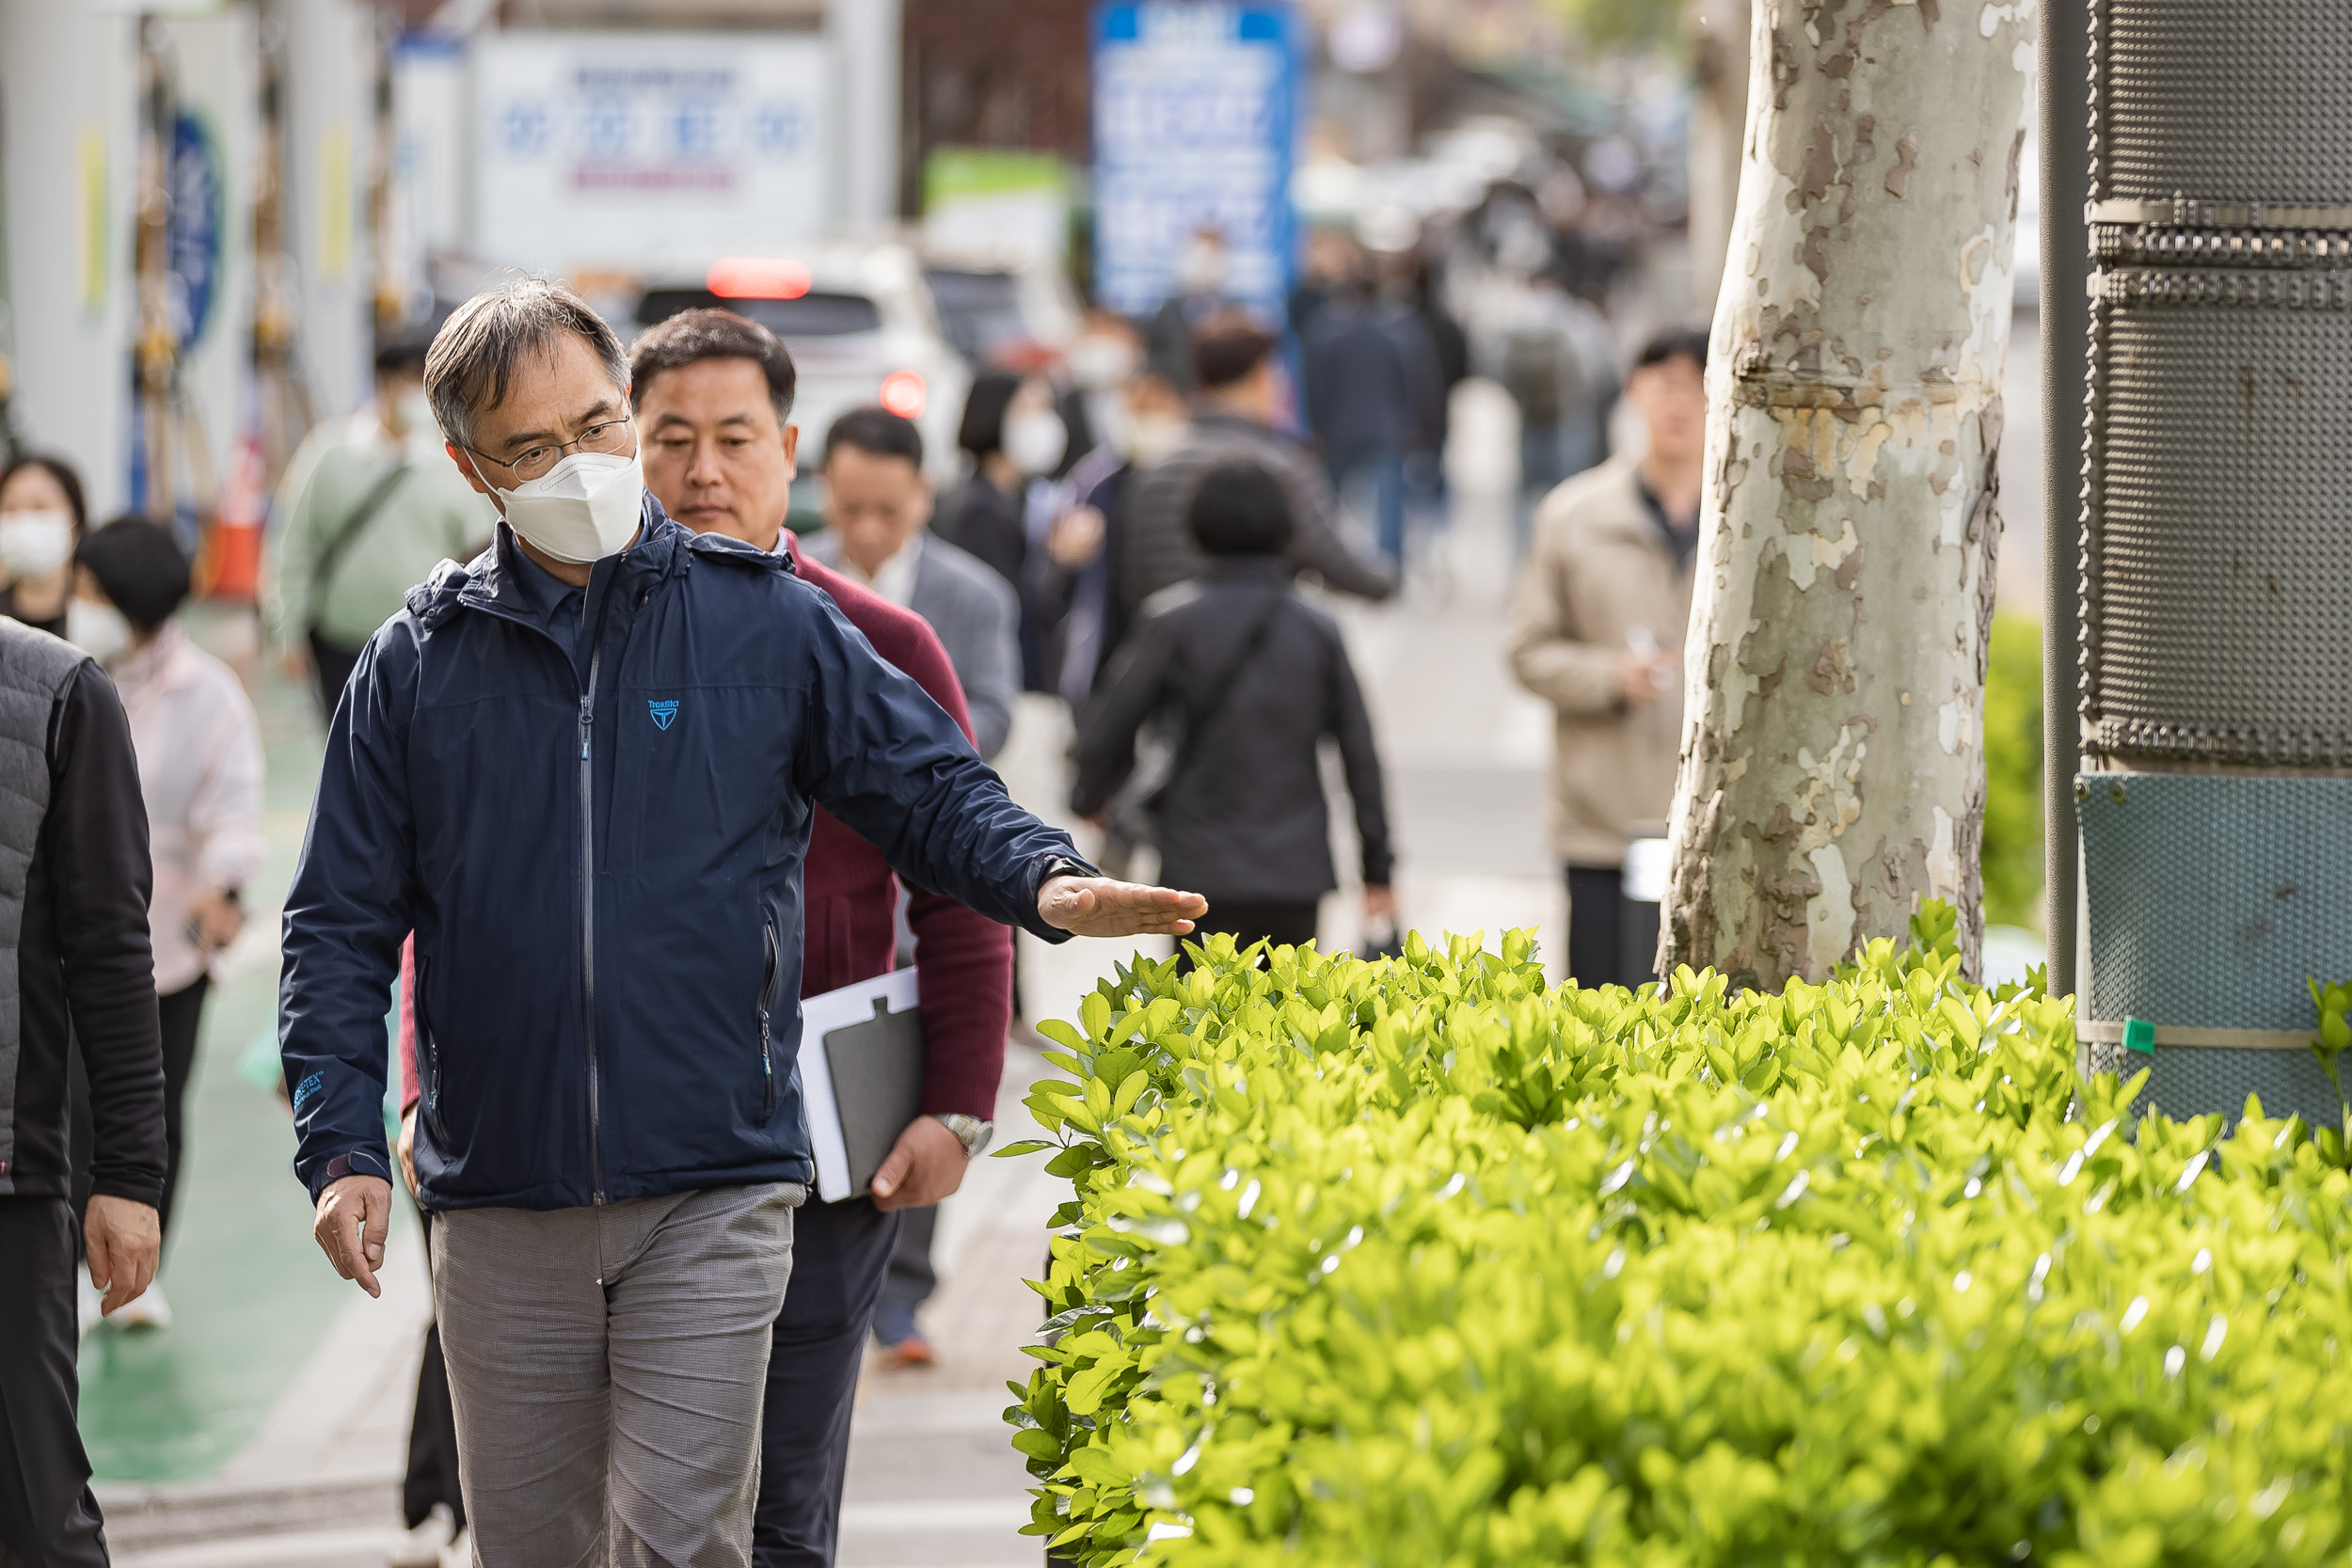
[[2193, 1080], [2212, 898], [2219, 542], [2223, 101]]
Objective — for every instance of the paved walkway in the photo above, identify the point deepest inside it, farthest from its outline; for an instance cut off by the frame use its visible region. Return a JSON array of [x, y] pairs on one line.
[[266, 1426]]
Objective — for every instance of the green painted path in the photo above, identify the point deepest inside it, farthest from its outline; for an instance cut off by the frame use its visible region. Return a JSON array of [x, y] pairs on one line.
[[250, 1294]]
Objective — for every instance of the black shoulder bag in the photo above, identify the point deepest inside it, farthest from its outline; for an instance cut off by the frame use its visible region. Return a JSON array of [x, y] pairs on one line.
[[323, 569], [1167, 750]]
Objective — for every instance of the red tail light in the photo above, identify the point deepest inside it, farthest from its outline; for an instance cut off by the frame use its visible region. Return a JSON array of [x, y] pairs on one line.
[[903, 394], [757, 278]]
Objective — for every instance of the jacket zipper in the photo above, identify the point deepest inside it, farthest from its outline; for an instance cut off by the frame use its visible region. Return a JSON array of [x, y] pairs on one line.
[[588, 916], [767, 996], [587, 867]]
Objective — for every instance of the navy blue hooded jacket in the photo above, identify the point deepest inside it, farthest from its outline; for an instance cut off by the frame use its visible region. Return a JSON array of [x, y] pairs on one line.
[[602, 861]]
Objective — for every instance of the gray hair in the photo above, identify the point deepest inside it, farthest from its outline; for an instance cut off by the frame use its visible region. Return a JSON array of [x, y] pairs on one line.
[[476, 354]]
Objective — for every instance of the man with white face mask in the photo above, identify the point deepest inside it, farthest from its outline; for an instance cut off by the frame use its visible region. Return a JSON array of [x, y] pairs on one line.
[[582, 768], [367, 509]]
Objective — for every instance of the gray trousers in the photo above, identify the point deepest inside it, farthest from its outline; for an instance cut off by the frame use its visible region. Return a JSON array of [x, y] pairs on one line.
[[606, 1365]]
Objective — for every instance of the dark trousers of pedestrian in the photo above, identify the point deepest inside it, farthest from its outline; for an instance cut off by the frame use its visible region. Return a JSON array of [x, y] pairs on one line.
[[1551, 451], [47, 1515], [331, 664], [843, 1250], [1283, 925], [432, 1474], [1376, 476], [911, 1278], [1596, 925], [182, 1014]]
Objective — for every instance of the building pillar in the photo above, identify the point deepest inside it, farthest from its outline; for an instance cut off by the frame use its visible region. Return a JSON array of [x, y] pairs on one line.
[[867, 34], [69, 130], [329, 108]]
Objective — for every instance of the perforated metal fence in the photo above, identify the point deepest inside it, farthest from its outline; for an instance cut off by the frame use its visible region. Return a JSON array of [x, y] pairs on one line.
[[2216, 539]]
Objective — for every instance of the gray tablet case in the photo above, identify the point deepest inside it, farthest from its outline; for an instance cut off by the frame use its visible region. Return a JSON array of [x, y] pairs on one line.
[[877, 1070]]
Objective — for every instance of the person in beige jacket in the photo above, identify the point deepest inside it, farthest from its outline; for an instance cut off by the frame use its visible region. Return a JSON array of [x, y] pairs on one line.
[[1597, 628]]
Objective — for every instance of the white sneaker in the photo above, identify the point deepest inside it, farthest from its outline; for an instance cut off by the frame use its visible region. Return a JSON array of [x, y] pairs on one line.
[[459, 1553], [148, 1309], [423, 1547]]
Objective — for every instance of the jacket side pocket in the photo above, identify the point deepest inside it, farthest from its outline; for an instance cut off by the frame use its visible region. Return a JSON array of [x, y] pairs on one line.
[[767, 1045]]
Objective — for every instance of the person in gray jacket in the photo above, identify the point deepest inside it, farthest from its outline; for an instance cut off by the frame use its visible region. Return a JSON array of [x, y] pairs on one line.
[[1233, 422], [876, 506]]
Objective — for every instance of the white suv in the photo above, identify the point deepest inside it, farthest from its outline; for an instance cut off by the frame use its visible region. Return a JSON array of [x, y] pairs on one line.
[[861, 326]]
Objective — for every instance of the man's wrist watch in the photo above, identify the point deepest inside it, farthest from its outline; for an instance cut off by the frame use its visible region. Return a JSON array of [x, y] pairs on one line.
[[970, 1132], [1064, 865]]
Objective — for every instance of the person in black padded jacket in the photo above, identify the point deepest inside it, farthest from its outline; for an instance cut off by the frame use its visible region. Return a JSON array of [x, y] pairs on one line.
[[73, 828], [1245, 678]]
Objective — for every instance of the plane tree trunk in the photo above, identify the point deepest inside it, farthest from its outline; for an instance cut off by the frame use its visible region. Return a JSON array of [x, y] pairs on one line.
[[1833, 765]]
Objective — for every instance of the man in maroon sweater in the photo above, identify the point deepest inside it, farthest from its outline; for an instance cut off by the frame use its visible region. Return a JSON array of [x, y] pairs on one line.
[[711, 394]]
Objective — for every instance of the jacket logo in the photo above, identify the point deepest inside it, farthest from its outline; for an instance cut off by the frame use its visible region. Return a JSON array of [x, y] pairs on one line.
[[664, 714]]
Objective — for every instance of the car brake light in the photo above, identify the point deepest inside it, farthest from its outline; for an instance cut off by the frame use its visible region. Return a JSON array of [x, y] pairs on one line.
[[757, 278], [902, 394]]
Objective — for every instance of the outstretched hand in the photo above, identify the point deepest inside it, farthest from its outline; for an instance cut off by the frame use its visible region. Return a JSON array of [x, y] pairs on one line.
[[1100, 906]]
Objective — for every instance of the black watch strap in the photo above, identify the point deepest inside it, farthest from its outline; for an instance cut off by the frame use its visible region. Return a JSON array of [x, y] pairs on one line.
[[1065, 865]]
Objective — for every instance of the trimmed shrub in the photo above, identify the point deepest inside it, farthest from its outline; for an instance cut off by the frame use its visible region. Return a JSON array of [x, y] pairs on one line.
[[1417, 1262], [2013, 772]]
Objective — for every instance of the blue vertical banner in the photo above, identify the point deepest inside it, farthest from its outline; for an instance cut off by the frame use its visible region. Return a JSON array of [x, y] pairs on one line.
[[1196, 117]]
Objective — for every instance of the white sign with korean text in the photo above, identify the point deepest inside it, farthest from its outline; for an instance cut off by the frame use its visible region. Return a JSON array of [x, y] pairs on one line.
[[637, 151]]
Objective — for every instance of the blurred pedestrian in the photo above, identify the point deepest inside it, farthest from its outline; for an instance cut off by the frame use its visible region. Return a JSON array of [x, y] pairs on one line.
[[878, 506], [199, 759], [1015, 436], [1373, 387], [1233, 422], [368, 508], [1596, 629], [1100, 361], [1246, 678], [1411, 282], [41, 522], [75, 916], [1076, 591], [1556, 358], [1335, 259], [607, 906], [1202, 276]]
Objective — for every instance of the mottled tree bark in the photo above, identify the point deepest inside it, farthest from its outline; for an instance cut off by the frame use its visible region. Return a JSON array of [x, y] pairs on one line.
[[1833, 765]]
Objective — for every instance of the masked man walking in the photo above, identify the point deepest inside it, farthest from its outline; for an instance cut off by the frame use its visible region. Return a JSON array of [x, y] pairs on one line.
[[583, 769]]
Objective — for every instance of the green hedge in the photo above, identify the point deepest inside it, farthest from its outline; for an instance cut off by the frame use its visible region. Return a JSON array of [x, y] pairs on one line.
[[1419, 1263], [2013, 772]]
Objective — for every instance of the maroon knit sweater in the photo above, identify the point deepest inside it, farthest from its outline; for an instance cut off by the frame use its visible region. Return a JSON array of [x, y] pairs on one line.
[[850, 897]]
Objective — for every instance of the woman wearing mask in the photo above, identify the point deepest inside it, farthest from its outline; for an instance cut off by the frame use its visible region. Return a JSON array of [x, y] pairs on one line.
[[199, 750], [1015, 438], [42, 520]]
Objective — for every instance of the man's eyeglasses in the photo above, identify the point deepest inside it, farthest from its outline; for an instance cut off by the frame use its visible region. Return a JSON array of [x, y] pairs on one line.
[[609, 438]]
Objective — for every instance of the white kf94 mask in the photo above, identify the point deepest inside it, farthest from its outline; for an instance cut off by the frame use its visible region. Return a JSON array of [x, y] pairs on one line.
[[581, 511]]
